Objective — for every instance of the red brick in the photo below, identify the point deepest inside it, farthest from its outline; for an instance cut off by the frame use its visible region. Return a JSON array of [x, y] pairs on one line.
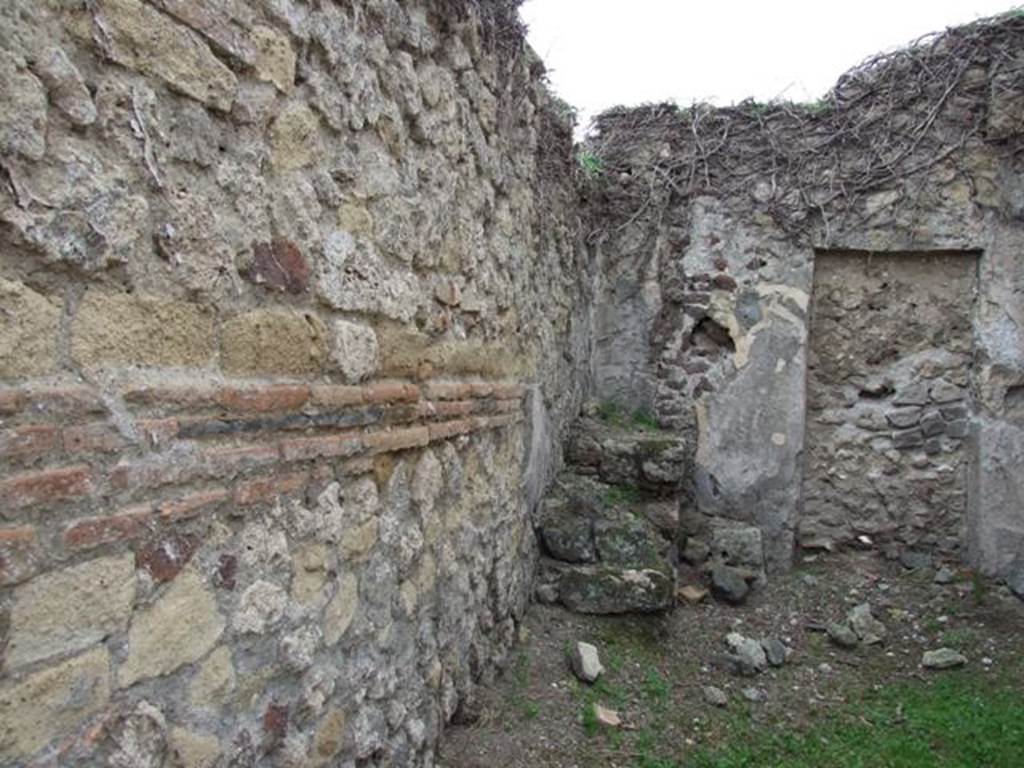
[[154, 471], [456, 408], [219, 461], [509, 406], [482, 389], [110, 529], [156, 433], [397, 440], [191, 505], [509, 391], [448, 429], [188, 398], [505, 420], [334, 396], [11, 401], [447, 390], [269, 488], [93, 438], [331, 446], [28, 442], [45, 487], [269, 399], [65, 400], [19, 554], [391, 392]]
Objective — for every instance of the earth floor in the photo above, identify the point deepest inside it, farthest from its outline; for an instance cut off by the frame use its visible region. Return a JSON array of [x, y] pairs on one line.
[[536, 714]]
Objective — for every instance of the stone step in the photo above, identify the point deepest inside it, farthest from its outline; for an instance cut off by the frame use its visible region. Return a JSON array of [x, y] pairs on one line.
[[606, 551], [645, 459], [604, 589]]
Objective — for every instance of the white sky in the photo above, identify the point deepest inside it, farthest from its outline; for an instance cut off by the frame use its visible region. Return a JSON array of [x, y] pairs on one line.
[[602, 53]]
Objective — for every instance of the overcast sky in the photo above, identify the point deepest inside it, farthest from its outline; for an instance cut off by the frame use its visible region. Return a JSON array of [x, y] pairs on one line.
[[602, 53]]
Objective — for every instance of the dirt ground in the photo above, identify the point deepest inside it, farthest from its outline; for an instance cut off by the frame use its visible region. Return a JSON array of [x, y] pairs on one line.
[[657, 667]]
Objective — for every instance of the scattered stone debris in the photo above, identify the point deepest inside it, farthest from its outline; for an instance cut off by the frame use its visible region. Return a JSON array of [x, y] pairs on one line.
[[691, 594], [608, 718], [841, 634], [716, 697], [775, 651], [586, 662], [728, 584], [945, 575], [747, 657], [868, 629], [696, 551], [943, 658], [755, 695], [912, 560]]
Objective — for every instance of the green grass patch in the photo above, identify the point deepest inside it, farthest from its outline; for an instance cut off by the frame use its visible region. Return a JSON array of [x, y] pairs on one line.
[[957, 720], [622, 494], [617, 415]]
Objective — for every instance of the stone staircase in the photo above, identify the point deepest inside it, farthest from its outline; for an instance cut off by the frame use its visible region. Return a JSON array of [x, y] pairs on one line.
[[608, 527]]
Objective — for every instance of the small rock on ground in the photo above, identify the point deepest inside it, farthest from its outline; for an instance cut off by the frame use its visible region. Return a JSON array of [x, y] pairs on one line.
[[867, 628], [945, 576], [586, 662], [716, 697], [728, 584], [775, 651], [691, 594], [913, 560], [755, 695], [842, 635], [609, 718], [943, 658], [748, 656]]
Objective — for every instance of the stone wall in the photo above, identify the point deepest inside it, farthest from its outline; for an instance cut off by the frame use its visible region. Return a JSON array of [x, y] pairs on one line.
[[889, 365], [707, 226], [292, 319]]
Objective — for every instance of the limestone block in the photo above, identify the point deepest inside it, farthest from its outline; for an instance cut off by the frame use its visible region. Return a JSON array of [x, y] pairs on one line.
[[295, 138], [179, 628], [139, 37], [125, 329], [66, 88], [214, 680], [261, 607], [52, 703], [226, 23], [28, 332], [355, 350], [353, 277], [70, 609], [273, 342], [358, 541], [341, 610], [22, 110]]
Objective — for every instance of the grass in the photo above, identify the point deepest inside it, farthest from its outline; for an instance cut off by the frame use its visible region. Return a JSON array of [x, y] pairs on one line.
[[957, 720], [617, 415], [622, 494], [521, 679]]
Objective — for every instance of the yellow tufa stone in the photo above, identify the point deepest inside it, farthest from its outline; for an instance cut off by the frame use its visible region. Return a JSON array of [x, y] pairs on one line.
[[52, 703], [179, 628], [140, 38], [295, 138], [125, 329], [70, 610], [194, 750], [275, 59], [341, 610], [214, 681], [274, 342], [28, 332]]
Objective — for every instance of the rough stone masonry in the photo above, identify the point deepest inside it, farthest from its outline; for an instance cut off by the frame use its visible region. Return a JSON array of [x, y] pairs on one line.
[[276, 280], [299, 301]]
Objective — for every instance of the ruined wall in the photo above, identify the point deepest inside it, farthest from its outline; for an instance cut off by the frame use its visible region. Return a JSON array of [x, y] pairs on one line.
[[706, 223], [888, 370], [276, 280]]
